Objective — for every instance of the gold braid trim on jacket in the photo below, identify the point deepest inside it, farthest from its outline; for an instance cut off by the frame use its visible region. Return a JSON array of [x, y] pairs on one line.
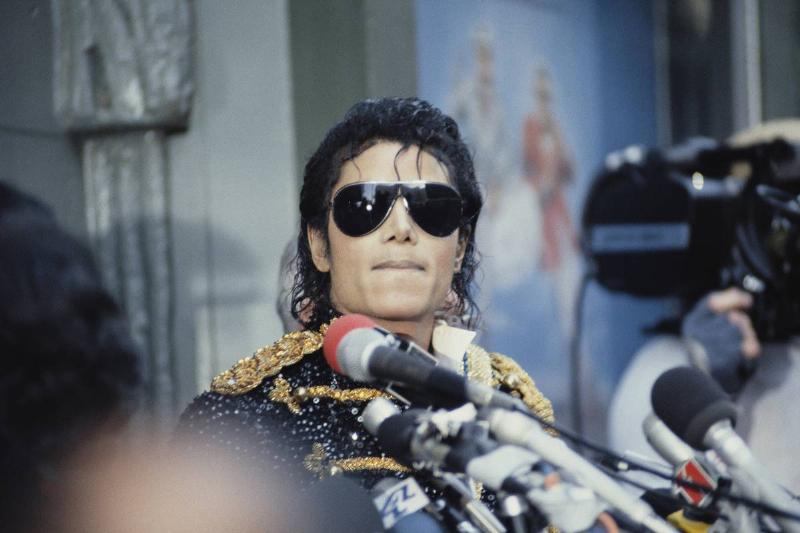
[[507, 374], [492, 369], [247, 374]]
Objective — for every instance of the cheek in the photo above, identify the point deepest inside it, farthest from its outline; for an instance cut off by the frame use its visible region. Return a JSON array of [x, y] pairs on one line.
[[445, 257], [348, 259], [342, 257]]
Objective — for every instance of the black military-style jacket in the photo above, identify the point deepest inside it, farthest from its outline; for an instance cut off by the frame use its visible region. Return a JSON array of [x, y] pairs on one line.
[[287, 411]]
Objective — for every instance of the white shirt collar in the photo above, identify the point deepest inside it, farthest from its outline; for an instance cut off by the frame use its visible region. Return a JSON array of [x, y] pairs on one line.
[[450, 343]]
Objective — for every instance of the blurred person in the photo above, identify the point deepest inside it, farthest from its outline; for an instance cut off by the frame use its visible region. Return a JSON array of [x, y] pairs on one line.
[[286, 275], [156, 488], [68, 383], [721, 338], [153, 487], [718, 336], [388, 211], [68, 366]]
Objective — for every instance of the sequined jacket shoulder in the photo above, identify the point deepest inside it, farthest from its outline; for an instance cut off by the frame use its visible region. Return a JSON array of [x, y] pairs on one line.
[[286, 409]]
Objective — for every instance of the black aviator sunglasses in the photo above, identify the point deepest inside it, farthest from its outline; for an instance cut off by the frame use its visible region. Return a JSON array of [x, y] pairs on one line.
[[360, 208]]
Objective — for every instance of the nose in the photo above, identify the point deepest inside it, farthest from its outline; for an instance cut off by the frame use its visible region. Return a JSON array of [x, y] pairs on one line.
[[399, 226]]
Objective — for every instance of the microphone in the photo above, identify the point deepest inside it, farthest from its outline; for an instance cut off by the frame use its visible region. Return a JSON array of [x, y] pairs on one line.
[[401, 434], [705, 420], [414, 436], [500, 467], [694, 480], [665, 442], [688, 466], [354, 347], [517, 428], [342, 326]]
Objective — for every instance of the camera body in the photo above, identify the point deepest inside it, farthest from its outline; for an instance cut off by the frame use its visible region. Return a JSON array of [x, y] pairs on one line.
[[686, 221]]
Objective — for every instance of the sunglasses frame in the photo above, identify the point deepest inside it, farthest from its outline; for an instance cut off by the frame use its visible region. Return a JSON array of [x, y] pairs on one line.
[[402, 188]]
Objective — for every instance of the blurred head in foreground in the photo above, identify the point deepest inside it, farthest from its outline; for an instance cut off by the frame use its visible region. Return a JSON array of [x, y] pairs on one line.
[[68, 366], [188, 487]]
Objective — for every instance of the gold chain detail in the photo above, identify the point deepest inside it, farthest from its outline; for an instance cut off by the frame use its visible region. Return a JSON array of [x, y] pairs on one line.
[[282, 392], [248, 373], [317, 462]]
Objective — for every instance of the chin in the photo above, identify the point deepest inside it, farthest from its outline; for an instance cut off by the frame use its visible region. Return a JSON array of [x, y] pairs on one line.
[[400, 310]]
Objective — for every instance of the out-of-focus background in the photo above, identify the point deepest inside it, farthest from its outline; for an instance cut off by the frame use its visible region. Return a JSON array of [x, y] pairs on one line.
[[171, 136]]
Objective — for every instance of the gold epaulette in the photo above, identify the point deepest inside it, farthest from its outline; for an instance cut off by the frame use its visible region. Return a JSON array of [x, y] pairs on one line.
[[507, 373], [248, 373]]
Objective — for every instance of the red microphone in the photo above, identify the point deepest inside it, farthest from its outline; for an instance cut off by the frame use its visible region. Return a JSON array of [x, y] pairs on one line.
[[359, 349], [337, 331]]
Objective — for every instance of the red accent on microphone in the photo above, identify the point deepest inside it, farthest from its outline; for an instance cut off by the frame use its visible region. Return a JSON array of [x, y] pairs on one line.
[[693, 471], [341, 327]]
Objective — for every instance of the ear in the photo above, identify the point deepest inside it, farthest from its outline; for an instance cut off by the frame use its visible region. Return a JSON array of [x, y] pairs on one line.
[[319, 251], [463, 239]]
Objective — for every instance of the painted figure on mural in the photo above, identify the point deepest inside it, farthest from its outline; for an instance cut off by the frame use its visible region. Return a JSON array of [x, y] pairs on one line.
[[509, 255], [476, 106], [549, 169]]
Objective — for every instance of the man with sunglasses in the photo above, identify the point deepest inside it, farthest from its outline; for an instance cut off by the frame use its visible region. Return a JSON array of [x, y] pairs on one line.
[[388, 211]]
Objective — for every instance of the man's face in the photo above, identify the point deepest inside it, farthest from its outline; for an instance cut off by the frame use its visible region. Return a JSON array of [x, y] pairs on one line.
[[398, 272]]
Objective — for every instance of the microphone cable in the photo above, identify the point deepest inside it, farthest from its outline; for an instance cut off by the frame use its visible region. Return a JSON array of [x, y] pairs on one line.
[[576, 362]]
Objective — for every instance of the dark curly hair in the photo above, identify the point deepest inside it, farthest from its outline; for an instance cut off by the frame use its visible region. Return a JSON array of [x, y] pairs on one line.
[[410, 122], [67, 361]]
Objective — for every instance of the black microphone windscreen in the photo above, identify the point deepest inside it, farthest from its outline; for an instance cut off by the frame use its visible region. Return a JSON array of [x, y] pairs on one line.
[[395, 434], [689, 402], [392, 365]]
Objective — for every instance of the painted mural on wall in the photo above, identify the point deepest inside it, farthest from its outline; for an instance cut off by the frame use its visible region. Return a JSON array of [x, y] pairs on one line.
[[522, 80]]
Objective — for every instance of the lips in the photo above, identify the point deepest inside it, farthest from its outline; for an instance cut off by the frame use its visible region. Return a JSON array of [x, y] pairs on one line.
[[399, 265]]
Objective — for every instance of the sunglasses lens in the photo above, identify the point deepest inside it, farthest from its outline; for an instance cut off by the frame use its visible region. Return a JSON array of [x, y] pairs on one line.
[[436, 208], [360, 208]]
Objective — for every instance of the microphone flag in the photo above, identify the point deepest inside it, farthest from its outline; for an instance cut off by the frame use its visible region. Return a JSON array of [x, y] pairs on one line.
[[694, 472], [399, 500]]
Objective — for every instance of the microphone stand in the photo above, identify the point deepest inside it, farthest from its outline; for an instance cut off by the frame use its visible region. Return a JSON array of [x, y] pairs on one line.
[[478, 513], [518, 429]]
